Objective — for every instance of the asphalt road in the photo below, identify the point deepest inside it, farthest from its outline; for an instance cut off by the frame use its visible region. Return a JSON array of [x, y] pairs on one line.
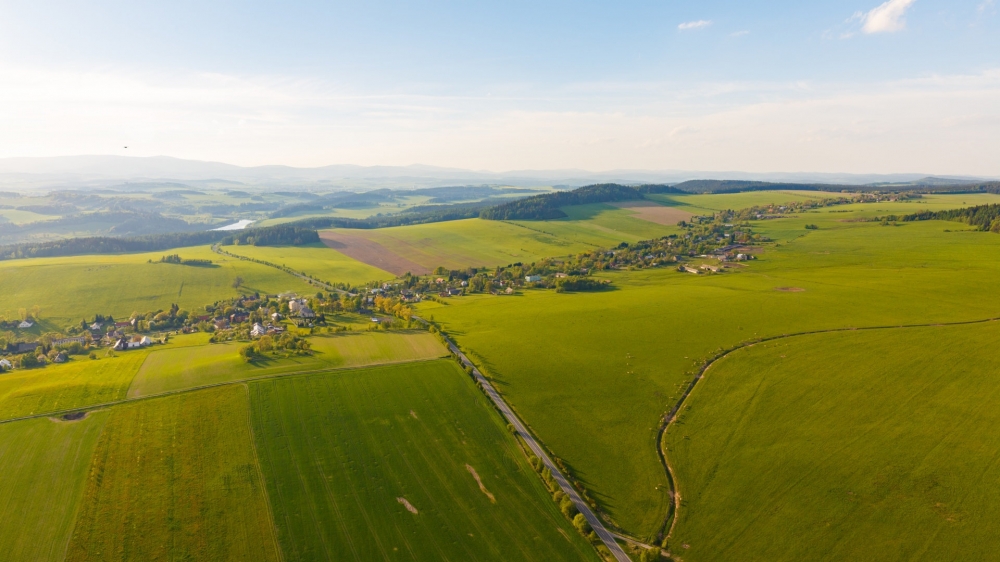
[[595, 522]]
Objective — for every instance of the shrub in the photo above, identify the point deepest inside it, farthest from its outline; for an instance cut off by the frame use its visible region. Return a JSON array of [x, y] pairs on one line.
[[580, 522]]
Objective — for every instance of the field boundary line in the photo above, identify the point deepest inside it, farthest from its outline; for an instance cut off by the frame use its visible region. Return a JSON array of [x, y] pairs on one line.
[[101, 405], [260, 476], [607, 537], [671, 416], [302, 276]]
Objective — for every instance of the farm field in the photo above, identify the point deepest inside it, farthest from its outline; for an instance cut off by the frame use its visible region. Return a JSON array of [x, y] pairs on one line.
[[317, 260], [70, 288], [176, 479], [645, 339], [44, 464], [863, 445], [79, 383], [187, 367], [477, 243], [374, 465]]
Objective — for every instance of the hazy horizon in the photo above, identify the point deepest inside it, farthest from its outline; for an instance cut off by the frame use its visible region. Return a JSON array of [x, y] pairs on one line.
[[862, 87]]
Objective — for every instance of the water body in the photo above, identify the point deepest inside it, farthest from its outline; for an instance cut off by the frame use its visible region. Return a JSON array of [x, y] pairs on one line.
[[236, 225]]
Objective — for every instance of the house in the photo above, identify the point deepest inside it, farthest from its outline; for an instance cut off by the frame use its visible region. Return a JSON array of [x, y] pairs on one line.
[[561, 274], [25, 325], [238, 317], [306, 312], [65, 341], [26, 347], [464, 283], [5, 365], [275, 317], [257, 330], [533, 278], [96, 327], [60, 358], [454, 292], [509, 291], [439, 280], [123, 324], [690, 270], [121, 344], [712, 268]]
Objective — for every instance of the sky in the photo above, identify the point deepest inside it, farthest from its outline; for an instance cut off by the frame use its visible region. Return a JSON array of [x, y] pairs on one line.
[[852, 86]]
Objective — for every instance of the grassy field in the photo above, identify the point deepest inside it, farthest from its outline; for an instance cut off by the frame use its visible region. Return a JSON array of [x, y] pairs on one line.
[[475, 242], [342, 453], [79, 383], [71, 288], [176, 479], [187, 367], [44, 465], [556, 356], [317, 260], [866, 445]]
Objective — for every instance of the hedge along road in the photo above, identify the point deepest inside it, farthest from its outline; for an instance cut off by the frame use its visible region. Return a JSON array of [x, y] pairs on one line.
[[595, 523], [671, 416]]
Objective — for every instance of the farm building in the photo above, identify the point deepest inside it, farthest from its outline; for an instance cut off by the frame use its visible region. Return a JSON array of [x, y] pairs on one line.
[[533, 278], [25, 325], [5, 365], [26, 347], [65, 341], [258, 330]]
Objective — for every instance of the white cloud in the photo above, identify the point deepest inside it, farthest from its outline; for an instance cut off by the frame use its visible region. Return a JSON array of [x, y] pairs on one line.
[[694, 25], [986, 6], [939, 124], [886, 18]]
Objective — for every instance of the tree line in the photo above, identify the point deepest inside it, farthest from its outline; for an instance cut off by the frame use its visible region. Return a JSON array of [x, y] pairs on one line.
[[547, 205]]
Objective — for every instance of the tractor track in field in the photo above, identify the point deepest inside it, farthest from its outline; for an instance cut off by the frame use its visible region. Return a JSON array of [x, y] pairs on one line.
[[101, 405], [671, 416]]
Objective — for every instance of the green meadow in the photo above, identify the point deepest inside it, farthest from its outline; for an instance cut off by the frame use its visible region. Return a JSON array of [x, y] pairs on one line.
[[593, 373], [44, 465], [381, 464], [178, 368], [317, 260], [176, 478], [861, 445], [475, 242], [79, 383], [69, 289]]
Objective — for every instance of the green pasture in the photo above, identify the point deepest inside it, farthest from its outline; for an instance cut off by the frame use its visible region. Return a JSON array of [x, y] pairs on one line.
[[69, 289], [863, 445], [178, 368], [18, 216], [43, 468], [341, 453], [706, 203], [476, 242], [176, 479], [79, 383], [317, 260], [593, 373]]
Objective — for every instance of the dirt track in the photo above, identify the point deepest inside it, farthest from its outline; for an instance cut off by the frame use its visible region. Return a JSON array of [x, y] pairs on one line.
[[372, 253]]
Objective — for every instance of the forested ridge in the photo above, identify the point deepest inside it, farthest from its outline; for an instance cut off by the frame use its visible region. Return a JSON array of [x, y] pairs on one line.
[[546, 206], [280, 235], [983, 217]]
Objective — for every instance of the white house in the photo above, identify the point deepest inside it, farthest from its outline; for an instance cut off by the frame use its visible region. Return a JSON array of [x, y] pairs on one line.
[[25, 325], [5, 365], [95, 326], [257, 330]]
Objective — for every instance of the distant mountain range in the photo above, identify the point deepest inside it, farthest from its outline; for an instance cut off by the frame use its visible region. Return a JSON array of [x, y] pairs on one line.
[[128, 172]]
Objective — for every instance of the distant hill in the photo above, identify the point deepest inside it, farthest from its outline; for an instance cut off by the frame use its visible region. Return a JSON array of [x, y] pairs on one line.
[[547, 206]]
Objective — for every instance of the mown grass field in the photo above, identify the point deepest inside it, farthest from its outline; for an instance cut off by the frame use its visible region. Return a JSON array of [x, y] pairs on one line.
[[176, 479], [339, 451], [593, 373], [43, 469], [79, 383], [69, 289], [476, 243], [864, 445], [179, 368], [317, 260]]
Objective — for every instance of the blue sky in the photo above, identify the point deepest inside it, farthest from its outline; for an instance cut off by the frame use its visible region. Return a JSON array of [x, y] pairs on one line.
[[846, 86]]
